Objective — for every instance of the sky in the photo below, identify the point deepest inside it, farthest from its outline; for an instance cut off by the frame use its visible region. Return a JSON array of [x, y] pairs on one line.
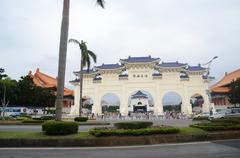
[[188, 31]]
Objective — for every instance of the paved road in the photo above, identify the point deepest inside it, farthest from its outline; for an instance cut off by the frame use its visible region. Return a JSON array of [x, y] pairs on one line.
[[217, 149], [37, 128]]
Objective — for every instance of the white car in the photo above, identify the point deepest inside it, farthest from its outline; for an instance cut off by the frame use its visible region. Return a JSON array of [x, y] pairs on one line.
[[217, 115], [203, 114]]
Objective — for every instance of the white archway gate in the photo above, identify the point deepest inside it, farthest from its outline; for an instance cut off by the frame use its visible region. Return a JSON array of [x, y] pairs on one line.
[[172, 76]]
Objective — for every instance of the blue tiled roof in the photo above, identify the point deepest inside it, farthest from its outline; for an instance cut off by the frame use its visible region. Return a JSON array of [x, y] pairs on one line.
[[205, 77], [97, 78], [139, 94], [195, 68], [172, 64], [84, 71], [109, 66], [156, 74], [139, 59], [184, 76], [75, 81], [123, 75]]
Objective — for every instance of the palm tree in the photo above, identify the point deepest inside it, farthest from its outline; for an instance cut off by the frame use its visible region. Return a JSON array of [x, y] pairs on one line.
[[62, 56], [86, 56]]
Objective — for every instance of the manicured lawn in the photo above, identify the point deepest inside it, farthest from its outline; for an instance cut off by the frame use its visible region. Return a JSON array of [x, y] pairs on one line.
[[40, 135], [192, 130]]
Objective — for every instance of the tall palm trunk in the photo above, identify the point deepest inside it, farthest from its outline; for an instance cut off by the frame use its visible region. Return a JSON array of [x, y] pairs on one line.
[[81, 87], [62, 59]]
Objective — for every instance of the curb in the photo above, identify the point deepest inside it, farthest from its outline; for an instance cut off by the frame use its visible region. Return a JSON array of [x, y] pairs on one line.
[[118, 141]]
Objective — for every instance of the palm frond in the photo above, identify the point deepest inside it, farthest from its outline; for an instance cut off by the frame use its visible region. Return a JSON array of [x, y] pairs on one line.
[[93, 56], [101, 3], [71, 40]]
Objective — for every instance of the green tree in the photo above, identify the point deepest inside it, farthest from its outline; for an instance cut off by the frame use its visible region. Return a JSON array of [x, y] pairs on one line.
[[62, 56], [2, 73], [86, 56], [234, 94], [29, 94]]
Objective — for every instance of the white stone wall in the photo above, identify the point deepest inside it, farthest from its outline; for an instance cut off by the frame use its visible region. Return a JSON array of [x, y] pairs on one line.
[[170, 82]]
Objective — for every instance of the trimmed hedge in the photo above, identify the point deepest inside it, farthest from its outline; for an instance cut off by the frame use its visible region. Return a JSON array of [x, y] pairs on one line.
[[133, 132], [80, 119], [219, 125], [217, 128], [32, 121], [200, 118], [44, 118], [59, 127], [133, 125]]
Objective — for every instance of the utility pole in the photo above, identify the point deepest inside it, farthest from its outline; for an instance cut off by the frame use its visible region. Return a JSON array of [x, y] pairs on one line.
[[4, 104]]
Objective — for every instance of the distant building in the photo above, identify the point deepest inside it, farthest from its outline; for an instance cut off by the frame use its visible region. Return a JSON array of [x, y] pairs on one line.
[[139, 103], [45, 81], [220, 90]]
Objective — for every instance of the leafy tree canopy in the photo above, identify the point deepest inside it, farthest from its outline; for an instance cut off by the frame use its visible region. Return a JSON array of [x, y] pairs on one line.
[[234, 95]]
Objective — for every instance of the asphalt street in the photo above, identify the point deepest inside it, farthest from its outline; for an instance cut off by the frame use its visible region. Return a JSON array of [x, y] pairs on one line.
[[215, 149]]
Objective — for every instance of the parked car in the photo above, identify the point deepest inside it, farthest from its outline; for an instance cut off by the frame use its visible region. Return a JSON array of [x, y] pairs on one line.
[[233, 113], [203, 114], [217, 115]]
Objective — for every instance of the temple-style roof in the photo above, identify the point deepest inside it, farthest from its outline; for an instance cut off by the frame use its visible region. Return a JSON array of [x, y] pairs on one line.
[[90, 71], [172, 64], [139, 59], [156, 74], [196, 68], [108, 66], [222, 85], [139, 94], [43, 80], [75, 81]]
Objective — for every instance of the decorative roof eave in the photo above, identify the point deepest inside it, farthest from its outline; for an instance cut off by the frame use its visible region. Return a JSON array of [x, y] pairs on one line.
[[86, 73], [150, 62], [110, 71], [75, 82], [171, 69], [140, 60], [140, 65], [109, 68]]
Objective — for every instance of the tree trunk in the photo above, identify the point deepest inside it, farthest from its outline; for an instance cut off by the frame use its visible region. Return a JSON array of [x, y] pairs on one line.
[[62, 59], [81, 87]]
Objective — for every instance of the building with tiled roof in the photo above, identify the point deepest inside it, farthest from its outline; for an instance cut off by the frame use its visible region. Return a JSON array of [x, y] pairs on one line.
[[45, 81], [143, 74], [220, 90]]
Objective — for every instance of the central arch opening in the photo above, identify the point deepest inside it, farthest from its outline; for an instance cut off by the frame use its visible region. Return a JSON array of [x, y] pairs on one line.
[[140, 101], [87, 105], [110, 103], [197, 102], [172, 102]]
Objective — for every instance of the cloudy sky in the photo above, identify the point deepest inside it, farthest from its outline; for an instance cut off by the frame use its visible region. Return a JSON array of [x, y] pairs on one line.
[[191, 31]]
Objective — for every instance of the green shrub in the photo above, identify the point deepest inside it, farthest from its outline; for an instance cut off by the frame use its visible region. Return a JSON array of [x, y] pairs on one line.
[[217, 127], [32, 121], [80, 119], [200, 118], [59, 127], [44, 118], [133, 132], [230, 121], [23, 118], [7, 118], [133, 125]]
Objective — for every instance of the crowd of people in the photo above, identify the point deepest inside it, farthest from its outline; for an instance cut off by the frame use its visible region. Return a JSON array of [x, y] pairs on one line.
[[141, 116]]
